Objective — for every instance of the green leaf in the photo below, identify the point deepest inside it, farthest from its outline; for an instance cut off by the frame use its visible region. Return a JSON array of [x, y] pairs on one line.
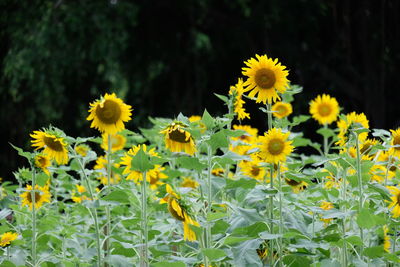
[[326, 132], [354, 240], [214, 254], [22, 153], [245, 253], [383, 191], [253, 230], [41, 179], [169, 264], [215, 216], [300, 141], [117, 196], [374, 252], [242, 183], [218, 140], [295, 260], [299, 119], [190, 163], [141, 162], [207, 120], [230, 240], [365, 219], [222, 97]]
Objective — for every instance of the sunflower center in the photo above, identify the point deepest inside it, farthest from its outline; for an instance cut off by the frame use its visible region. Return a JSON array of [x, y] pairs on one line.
[[398, 199], [396, 142], [109, 113], [172, 211], [276, 146], [53, 143], [292, 182], [255, 171], [178, 136], [281, 110], [324, 110], [37, 197], [42, 161], [153, 179], [265, 78]]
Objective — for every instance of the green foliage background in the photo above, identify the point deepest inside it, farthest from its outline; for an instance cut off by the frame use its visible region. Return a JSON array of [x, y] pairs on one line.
[[166, 57]]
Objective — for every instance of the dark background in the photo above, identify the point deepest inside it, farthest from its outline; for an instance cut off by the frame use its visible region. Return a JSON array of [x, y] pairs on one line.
[[166, 57]]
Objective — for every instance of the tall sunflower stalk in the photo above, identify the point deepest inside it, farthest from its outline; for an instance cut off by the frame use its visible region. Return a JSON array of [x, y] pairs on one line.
[[360, 188], [107, 232], [33, 197], [280, 243], [271, 181], [208, 235], [144, 257]]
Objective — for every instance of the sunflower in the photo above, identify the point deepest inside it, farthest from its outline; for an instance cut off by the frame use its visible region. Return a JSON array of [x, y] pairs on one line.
[[7, 238], [80, 194], [395, 143], [253, 168], [54, 146], [274, 146], [386, 239], [266, 77], [188, 182], [155, 176], [82, 149], [126, 160], [345, 125], [325, 205], [297, 186], [43, 162], [246, 142], [109, 114], [41, 195], [281, 110], [179, 211], [177, 139], [101, 167], [324, 109], [395, 204], [118, 142], [237, 91]]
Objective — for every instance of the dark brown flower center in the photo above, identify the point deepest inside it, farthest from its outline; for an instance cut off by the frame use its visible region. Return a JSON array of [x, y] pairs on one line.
[[276, 146], [53, 143], [42, 161], [324, 110], [178, 136], [172, 211], [154, 179], [265, 78], [255, 171], [396, 142], [281, 110], [398, 199], [292, 182], [37, 197], [110, 113]]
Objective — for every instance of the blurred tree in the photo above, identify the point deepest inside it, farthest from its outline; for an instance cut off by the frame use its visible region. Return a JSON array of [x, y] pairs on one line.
[[167, 57]]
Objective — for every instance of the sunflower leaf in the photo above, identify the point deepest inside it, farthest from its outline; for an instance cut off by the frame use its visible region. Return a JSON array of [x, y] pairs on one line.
[[141, 162], [207, 120]]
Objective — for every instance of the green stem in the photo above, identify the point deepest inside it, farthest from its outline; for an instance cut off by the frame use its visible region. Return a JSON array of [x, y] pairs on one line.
[[344, 193], [8, 254], [107, 230], [326, 148], [271, 213], [144, 257], [269, 114], [387, 170], [208, 239], [94, 216], [278, 177], [33, 193], [360, 190]]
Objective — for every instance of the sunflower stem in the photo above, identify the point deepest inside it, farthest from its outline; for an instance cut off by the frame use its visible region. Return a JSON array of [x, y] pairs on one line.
[[360, 190], [144, 258], [33, 195], [387, 170], [271, 212], [278, 177], [269, 114], [95, 216], [208, 239], [344, 193], [326, 147], [107, 229]]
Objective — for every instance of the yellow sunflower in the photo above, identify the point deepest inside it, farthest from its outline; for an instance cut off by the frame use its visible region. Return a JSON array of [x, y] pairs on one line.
[[281, 110], [155, 176], [179, 211], [41, 194], [237, 91], [218, 172], [188, 182], [395, 204], [395, 143], [80, 194], [43, 162], [324, 109], [345, 125], [253, 168], [101, 167], [246, 142], [297, 186], [7, 238], [109, 114], [126, 160], [266, 77], [82, 149], [325, 205], [118, 142], [54, 146], [274, 146], [386, 239], [177, 139]]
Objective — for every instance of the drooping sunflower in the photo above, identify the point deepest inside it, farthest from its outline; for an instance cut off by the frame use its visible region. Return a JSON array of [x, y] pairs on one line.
[[189, 182], [82, 149], [126, 160], [43, 162], [237, 91], [274, 146], [246, 142], [118, 142], [41, 194], [297, 186], [324, 109], [179, 211], [345, 125], [155, 176], [53, 146], [395, 204], [281, 110], [7, 238], [109, 114], [177, 139], [80, 194], [266, 77], [395, 143]]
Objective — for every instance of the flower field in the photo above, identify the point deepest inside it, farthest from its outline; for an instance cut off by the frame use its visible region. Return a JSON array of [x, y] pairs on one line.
[[207, 190]]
